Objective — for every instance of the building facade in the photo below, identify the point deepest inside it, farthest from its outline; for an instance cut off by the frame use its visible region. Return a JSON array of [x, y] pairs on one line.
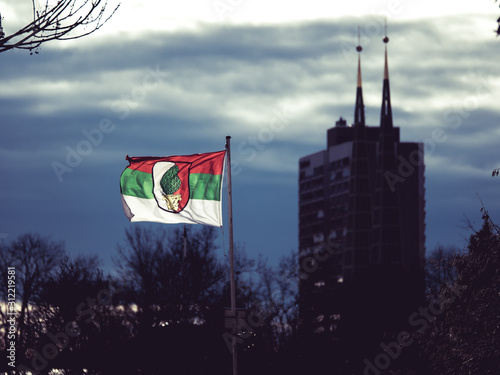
[[361, 225]]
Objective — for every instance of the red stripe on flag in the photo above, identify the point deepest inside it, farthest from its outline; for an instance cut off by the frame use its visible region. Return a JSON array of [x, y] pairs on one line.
[[210, 163]]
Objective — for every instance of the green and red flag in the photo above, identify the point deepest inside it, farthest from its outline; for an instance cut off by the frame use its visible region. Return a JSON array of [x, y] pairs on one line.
[[174, 189]]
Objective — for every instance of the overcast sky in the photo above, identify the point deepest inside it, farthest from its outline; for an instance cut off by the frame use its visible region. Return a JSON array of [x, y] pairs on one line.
[[170, 77]]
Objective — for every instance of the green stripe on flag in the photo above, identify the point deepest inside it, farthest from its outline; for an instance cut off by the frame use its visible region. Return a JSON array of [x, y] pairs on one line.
[[205, 186], [137, 184], [140, 184]]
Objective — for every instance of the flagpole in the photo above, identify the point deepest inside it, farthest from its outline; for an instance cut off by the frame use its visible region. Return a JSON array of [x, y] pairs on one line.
[[184, 250], [231, 255]]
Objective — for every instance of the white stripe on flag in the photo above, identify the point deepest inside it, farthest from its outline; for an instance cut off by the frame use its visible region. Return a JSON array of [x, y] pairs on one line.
[[196, 211]]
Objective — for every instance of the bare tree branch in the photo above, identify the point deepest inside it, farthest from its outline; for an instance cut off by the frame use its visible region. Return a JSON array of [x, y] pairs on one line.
[[497, 31], [56, 22]]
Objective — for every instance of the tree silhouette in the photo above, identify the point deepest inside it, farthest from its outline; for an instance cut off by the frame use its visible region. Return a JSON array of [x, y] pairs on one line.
[[173, 293], [498, 29], [34, 258], [167, 284], [468, 339], [81, 320], [57, 20], [459, 332], [440, 269], [272, 347]]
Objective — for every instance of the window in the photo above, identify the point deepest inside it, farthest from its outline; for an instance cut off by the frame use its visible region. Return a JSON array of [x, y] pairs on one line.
[[318, 170], [318, 237], [320, 329]]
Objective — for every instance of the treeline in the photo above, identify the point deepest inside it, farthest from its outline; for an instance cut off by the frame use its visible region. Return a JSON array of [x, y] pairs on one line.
[[457, 330], [462, 332], [162, 311]]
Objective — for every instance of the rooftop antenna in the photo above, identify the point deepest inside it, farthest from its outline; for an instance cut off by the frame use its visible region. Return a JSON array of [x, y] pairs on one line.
[[359, 49], [359, 111], [386, 111], [386, 39]]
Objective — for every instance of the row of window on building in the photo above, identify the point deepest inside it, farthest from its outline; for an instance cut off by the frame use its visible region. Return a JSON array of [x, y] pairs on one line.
[[320, 169]]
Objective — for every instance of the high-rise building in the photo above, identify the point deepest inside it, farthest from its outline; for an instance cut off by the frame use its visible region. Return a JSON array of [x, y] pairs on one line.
[[361, 225]]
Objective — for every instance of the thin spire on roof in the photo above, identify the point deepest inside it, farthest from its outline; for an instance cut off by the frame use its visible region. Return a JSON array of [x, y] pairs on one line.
[[386, 40], [359, 221], [386, 68], [387, 248], [386, 110], [359, 71], [359, 110]]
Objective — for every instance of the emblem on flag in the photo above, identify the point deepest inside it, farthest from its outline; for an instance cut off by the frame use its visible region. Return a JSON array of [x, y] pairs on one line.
[[171, 185], [174, 189]]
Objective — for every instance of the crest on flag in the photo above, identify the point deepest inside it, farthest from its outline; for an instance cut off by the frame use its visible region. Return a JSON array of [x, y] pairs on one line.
[[171, 185], [174, 189]]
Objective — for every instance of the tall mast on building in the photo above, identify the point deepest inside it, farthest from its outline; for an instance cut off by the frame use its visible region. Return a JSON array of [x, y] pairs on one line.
[[359, 220], [387, 249]]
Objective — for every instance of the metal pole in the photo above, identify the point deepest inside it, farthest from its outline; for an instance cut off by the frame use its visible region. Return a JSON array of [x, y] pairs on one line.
[[231, 255], [184, 250]]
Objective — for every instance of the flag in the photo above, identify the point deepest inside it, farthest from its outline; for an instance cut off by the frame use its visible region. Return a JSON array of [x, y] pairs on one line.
[[174, 189]]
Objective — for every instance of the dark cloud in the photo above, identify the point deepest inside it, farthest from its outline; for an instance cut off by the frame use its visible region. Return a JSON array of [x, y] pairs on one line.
[[162, 93]]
